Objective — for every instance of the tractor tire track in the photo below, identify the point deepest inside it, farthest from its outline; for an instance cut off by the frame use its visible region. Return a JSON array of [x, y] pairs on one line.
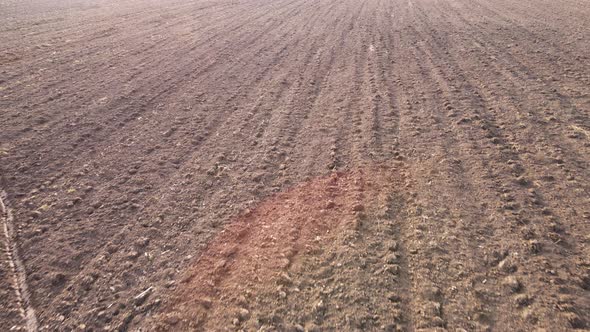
[[17, 268]]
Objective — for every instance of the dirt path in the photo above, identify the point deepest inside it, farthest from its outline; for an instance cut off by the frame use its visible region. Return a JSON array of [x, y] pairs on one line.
[[297, 164]]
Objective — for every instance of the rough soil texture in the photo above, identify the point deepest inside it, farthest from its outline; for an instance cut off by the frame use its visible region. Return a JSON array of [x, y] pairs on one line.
[[327, 244], [295, 164]]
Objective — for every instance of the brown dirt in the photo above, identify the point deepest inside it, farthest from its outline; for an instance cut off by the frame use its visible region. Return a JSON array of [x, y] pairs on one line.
[[135, 134]]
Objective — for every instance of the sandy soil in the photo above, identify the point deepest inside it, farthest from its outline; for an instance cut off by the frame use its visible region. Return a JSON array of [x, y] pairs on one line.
[[295, 165]]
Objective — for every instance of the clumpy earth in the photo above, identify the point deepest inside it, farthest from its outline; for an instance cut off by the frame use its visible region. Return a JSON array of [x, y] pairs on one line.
[[294, 165]]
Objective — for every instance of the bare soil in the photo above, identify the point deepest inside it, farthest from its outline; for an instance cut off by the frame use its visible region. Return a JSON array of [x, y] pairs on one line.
[[295, 165]]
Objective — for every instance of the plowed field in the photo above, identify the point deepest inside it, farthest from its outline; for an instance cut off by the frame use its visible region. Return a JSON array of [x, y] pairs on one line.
[[295, 165]]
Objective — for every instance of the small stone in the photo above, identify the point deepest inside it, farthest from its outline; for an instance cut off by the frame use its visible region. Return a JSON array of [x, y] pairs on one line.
[[282, 166], [285, 280], [172, 319], [133, 254], [207, 303], [358, 208], [142, 242], [330, 205], [511, 206], [512, 284], [392, 246], [320, 306], [242, 300], [243, 314], [87, 282], [521, 180], [535, 246], [464, 120]]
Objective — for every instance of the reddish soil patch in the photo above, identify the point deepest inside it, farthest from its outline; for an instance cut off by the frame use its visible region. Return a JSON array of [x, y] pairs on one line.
[[261, 255]]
